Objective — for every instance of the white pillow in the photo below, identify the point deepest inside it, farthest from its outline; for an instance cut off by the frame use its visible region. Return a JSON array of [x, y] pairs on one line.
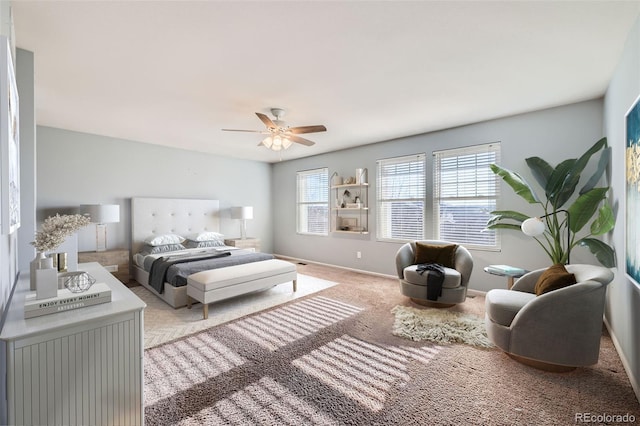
[[160, 240], [206, 236]]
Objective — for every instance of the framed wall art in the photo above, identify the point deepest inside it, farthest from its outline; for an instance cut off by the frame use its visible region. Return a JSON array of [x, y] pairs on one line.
[[9, 142], [632, 192]]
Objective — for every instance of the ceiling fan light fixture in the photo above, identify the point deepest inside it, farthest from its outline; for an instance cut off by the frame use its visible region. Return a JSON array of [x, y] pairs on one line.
[[277, 142], [286, 143], [268, 142]]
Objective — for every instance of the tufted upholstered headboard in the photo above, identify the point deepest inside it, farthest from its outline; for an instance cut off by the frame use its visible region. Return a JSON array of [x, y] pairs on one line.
[[182, 216]]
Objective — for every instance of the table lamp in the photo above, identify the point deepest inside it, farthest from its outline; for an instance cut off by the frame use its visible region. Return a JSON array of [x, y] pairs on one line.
[[101, 214], [242, 213]]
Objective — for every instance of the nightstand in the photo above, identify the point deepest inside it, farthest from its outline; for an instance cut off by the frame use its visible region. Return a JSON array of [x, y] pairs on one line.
[[252, 244], [115, 261]]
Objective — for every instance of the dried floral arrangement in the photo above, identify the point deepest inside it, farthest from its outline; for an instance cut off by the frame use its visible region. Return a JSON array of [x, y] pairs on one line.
[[56, 229]]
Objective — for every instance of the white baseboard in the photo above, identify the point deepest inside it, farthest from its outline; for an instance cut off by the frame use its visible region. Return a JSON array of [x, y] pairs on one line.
[[377, 274], [296, 259], [476, 292], [634, 384]]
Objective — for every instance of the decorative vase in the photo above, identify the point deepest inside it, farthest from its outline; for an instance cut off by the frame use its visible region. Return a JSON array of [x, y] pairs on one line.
[[33, 265], [46, 263], [43, 276]]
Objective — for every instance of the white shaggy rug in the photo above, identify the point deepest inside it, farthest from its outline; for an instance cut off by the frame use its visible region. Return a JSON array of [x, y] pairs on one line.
[[439, 326]]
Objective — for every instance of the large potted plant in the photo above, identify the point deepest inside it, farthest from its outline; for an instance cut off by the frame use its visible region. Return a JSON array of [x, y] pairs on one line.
[[562, 224]]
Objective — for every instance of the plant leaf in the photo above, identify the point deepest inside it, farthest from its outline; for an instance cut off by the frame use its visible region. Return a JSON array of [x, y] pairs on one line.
[[540, 169], [560, 187], [582, 161], [603, 252], [517, 183], [585, 207], [499, 215], [604, 222], [504, 226], [510, 214], [566, 180], [605, 157]]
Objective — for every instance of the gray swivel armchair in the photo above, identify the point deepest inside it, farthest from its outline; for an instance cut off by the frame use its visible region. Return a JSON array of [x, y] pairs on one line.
[[414, 285], [556, 331]]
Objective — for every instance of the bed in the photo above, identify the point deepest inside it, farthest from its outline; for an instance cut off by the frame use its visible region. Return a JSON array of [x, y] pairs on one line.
[[157, 217]]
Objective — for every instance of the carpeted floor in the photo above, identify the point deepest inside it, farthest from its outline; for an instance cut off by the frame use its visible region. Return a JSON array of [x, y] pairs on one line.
[[330, 358], [162, 323]]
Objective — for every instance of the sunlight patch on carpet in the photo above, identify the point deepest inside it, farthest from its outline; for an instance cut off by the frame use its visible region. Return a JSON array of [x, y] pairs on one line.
[[282, 326], [362, 371], [439, 326], [162, 323], [178, 366], [265, 402]]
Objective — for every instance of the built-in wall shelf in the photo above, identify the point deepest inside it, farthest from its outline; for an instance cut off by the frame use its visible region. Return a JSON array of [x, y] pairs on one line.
[[349, 185], [350, 203]]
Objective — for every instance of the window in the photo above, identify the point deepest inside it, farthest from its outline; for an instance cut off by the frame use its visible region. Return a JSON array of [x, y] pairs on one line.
[[465, 191], [313, 202], [401, 198]]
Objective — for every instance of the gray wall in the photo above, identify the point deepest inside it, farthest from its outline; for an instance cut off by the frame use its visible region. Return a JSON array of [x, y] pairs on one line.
[[554, 134], [78, 168], [623, 297]]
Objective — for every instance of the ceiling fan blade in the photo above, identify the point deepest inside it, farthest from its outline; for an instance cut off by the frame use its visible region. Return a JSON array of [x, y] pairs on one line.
[[240, 130], [307, 129], [298, 139], [266, 120]]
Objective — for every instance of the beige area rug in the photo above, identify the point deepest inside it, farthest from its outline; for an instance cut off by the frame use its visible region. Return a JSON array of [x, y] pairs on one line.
[[330, 358], [162, 323], [439, 326]]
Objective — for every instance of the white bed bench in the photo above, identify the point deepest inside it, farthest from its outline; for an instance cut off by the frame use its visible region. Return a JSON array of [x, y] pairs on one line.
[[219, 284]]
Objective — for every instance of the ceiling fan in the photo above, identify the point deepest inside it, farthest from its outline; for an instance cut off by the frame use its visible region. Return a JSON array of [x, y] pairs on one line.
[[280, 134]]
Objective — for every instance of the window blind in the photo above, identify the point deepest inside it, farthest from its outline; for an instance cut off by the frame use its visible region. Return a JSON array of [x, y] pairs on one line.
[[465, 192], [312, 201], [401, 198]]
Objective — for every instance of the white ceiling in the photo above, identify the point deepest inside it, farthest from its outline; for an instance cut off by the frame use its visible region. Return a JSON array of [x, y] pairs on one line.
[[175, 73]]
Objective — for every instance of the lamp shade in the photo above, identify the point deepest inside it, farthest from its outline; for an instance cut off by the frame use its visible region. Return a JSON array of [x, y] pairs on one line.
[[101, 213], [244, 213], [276, 142], [533, 227]]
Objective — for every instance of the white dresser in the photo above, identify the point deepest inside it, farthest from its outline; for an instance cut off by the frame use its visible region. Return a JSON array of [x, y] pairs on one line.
[[79, 367]]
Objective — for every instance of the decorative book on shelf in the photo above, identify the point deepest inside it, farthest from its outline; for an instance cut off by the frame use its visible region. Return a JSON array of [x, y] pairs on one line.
[[505, 270], [66, 300]]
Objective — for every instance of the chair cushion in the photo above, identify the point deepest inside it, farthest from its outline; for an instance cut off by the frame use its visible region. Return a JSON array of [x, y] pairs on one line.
[[503, 305], [433, 253], [452, 278], [553, 278]]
